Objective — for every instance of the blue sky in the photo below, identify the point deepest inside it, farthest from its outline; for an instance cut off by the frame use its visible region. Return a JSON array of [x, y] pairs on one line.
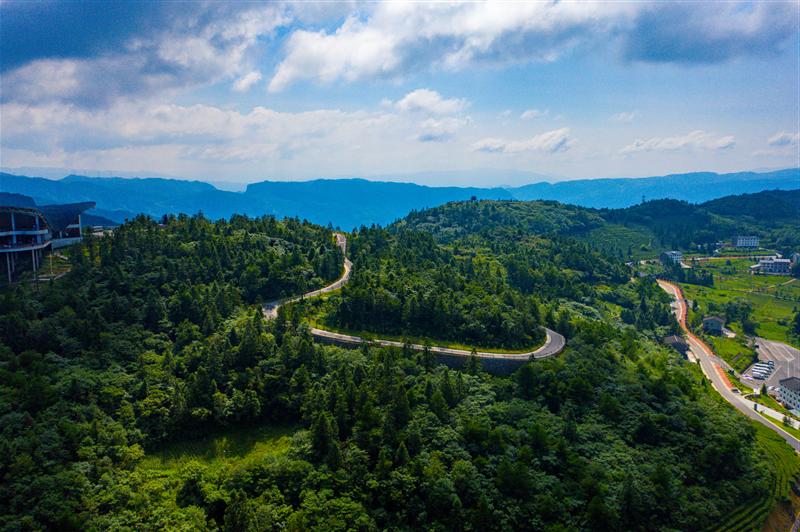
[[243, 92]]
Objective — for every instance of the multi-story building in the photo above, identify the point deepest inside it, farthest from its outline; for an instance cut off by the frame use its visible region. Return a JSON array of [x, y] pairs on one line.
[[746, 241], [671, 257], [26, 228], [789, 393], [772, 266]]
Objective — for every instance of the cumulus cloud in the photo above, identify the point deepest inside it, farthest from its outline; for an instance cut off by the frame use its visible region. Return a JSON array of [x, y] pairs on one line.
[[214, 43], [392, 39], [430, 101], [532, 114], [695, 140], [440, 130], [244, 83], [555, 141], [625, 117], [784, 139]]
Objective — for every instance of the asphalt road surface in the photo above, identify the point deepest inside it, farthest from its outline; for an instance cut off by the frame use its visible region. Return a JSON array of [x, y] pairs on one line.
[[553, 345], [713, 371], [271, 308], [786, 358]]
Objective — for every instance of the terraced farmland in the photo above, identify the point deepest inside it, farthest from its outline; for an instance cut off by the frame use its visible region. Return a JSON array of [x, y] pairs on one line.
[[784, 465]]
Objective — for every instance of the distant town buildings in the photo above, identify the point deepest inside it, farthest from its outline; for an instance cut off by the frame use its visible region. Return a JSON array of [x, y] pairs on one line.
[[27, 228], [772, 266], [789, 392], [713, 324], [678, 343], [747, 241], [671, 257]]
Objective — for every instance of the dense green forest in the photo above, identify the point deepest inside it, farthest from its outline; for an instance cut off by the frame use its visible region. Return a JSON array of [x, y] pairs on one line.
[[640, 230], [492, 286], [156, 337]]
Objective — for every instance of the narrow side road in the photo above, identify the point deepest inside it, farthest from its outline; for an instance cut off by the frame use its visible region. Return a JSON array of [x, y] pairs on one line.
[[712, 370], [553, 345], [271, 308]]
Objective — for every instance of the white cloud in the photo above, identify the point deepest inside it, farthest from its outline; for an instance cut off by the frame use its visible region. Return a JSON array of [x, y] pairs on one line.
[[555, 141], [246, 82], [430, 101], [625, 117], [784, 139], [393, 39], [532, 114], [397, 37], [695, 140], [440, 130], [199, 49]]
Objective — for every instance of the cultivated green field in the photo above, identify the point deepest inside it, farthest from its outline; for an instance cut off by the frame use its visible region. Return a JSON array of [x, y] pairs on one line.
[[774, 299]]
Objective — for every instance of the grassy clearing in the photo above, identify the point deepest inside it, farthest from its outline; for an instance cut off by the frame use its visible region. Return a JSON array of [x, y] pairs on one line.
[[783, 465], [234, 447], [791, 430], [155, 484], [733, 352]]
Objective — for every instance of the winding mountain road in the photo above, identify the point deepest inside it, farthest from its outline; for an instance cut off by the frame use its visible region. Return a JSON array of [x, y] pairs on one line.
[[713, 370], [553, 345]]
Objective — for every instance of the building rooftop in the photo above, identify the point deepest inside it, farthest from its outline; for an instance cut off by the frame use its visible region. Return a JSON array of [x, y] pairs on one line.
[[674, 339], [58, 217], [714, 318], [792, 383]]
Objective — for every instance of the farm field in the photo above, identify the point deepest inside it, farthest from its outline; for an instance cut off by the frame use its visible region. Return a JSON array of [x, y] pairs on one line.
[[773, 306]]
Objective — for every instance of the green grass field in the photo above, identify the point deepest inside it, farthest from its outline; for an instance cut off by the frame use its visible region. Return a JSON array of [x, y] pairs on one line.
[[736, 354], [773, 314], [230, 448]]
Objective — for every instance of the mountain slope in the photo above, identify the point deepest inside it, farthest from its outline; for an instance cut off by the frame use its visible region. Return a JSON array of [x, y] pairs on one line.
[[350, 203]]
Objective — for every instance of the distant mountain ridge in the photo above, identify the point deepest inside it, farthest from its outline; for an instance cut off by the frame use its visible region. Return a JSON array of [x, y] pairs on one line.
[[696, 187], [349, 203]]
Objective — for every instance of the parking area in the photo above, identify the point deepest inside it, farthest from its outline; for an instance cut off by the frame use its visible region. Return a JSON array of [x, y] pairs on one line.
[[786, 362]]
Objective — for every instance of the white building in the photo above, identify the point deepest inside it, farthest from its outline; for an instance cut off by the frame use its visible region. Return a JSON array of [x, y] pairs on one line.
[[789, 393], [772, 266], [748, 241]]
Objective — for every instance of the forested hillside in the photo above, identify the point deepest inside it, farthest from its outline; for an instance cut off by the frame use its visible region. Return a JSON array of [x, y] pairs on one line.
[[155, 338], [641, 230]]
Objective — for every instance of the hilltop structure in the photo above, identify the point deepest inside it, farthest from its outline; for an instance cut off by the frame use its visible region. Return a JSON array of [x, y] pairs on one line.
[[26, 227]]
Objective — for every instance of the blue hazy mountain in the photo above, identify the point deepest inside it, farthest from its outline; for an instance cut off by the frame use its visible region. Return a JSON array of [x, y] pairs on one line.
[[694, 187], [348, 203]]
